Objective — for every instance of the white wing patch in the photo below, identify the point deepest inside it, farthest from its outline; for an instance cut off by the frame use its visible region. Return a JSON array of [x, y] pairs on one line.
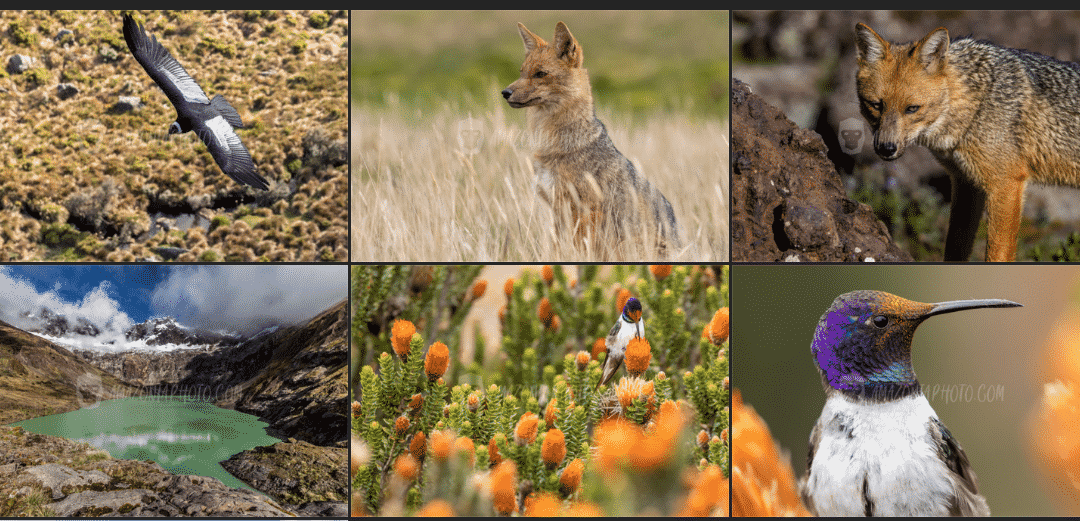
[[177, 75], [225, 139]]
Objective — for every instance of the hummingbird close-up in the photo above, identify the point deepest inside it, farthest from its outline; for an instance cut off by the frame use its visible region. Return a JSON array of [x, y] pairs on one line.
[[627, 326], [878, 448]]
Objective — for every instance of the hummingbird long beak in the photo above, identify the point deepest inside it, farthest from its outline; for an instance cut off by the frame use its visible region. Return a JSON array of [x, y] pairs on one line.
[[941, 308]]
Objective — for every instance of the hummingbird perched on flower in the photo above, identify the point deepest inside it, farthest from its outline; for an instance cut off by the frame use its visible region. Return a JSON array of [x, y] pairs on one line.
[[878, 447], [629, 325]]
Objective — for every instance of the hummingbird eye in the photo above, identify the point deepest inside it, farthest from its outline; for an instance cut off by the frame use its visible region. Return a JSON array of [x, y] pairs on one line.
[[880, 321]]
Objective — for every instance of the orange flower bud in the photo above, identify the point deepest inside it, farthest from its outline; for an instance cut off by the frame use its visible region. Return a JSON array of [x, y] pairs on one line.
[[549, 413], [570, 479], [401, 334], [508, 288], [493, 452], [478, 289], [553, 451], [637, 357], [436, 508], [401, 425], [437, 360], [583, 360], [703, 439], [599, 347], [621, 298], [718, 326], [473, 401], [542, 505], [544, 312], [416, 402], [418, 446], [525, 432], [356, 411], [547, 274], [660, 271]]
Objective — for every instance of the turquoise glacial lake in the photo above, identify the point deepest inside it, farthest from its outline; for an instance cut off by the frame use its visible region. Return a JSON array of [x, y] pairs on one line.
[[185, 436]]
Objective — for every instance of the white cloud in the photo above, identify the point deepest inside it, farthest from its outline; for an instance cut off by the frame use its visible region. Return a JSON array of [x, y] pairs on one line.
[[247, 299], [18, 297]]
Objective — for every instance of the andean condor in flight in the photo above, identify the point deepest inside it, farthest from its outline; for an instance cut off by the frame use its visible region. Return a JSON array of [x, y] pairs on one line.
[[211, 119]]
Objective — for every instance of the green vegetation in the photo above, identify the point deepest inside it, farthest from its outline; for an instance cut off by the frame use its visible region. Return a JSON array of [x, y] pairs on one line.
[[638, 62]]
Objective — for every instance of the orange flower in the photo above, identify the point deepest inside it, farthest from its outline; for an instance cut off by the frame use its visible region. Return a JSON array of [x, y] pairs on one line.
[[493, 450], [615, 439], [401, 334], [637, 357], [660, 271], [583, 509], [657, 447], [570, 479], [583, 359], [441, 443], [437, 360], [598, 347], [762, 484], [628, 389], [547, 274], [550, 413], [401, 425], [553, 451], [356, 409], [478, 289], [508, 288], [544, 312], [406, 466], [542, 505], [707, 497], [703, 439], [525, 432], [415, 402], [418, 446], [621, 298], [464, 444], [504, 487], [718, 326], [436, 508]]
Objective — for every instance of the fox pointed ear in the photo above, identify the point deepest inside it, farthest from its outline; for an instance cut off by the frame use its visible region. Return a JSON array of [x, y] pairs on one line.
[[566, 47], [871, 47], [932, 49], [532, 41]]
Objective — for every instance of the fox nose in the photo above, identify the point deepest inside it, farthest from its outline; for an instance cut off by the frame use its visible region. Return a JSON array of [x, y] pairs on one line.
[[506, 93], [886, 150]]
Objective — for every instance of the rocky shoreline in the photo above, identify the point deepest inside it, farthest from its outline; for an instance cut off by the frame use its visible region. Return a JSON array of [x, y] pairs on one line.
[[51, 476]]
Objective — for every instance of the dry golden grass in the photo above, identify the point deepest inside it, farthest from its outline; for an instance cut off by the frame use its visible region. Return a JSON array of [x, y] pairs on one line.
[[422, 193]]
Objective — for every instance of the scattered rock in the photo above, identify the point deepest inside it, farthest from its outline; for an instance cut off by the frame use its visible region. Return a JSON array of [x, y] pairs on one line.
[[127, 104], [57, 477], [294, 473], [18, 63], [66, 90]]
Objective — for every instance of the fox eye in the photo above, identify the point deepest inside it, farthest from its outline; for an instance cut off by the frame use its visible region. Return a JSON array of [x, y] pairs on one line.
[[911, 109], [880, 321], [539, 74], [876, 105]]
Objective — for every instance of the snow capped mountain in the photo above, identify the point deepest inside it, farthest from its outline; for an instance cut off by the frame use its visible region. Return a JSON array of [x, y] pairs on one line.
[[156, 334]]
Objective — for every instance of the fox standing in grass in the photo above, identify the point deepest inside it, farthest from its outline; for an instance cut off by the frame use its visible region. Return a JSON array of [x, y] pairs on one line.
[[590, 186], [995, 117]]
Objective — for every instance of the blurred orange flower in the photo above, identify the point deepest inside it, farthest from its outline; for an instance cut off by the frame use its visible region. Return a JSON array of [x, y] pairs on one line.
[[621, 298], [762, 482], [504, 487], [478, 289], [525, 432], [441, 443], [543, 311], [660, 271], [508, 287], [547, 274], [598, 347], [464, 444], [436, 508], [493, 450], [542, 504], [406, 466]]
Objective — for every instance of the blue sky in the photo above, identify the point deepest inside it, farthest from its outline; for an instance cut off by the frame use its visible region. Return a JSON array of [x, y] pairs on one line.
[[237, 298]]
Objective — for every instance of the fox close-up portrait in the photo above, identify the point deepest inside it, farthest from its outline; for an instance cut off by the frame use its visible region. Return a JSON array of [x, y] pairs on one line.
[[931, 121], [621, 156]]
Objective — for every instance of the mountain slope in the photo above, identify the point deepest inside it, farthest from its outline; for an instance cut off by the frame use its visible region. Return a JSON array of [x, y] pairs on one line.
[[38, 378], [300, 381]]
